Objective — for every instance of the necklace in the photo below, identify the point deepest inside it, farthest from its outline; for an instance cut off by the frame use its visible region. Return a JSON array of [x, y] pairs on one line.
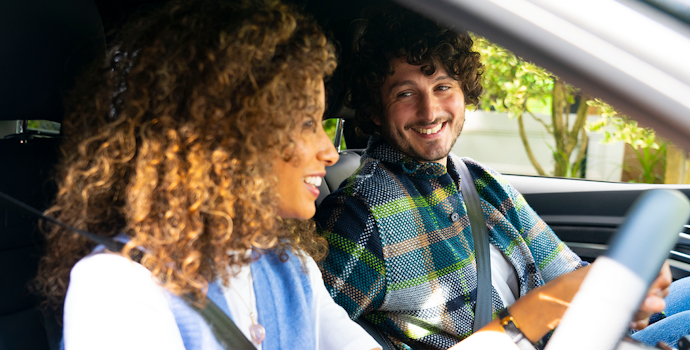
[[256, 331]]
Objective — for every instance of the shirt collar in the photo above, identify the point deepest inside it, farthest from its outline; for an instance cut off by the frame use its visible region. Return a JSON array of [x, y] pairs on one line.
[[380, 149]]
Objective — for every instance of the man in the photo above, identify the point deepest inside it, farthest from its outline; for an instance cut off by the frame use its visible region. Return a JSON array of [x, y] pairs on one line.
[[401, 253]]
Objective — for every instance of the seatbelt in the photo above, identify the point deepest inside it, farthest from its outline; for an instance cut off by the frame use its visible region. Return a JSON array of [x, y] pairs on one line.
[[480, 235], [225, 331]]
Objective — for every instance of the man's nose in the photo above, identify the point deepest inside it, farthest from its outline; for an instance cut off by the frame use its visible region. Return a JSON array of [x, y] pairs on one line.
[[427, 109]]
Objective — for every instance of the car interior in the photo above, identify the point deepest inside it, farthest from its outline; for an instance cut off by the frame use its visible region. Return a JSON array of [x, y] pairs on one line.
[[47, 43], [50, 43]]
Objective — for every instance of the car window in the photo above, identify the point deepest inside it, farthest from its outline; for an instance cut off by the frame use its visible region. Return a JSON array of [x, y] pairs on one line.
[[41, 127], [330, 126], [531, 122], [44, 126]]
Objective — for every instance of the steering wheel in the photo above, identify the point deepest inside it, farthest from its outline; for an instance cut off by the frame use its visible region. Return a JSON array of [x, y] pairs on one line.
[[618, 281]]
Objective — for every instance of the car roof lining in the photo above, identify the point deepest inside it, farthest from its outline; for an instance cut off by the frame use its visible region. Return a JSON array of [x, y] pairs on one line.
[[46, 45]]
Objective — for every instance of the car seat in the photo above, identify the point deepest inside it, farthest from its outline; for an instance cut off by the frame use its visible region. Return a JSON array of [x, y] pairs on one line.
[[349, 160], [46, 44], [335, 109]]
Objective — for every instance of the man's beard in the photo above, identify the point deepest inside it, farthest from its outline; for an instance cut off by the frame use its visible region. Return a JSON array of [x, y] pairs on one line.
[[404, 145]]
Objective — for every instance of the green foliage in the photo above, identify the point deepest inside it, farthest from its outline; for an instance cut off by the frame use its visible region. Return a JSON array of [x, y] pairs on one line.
[[518, 87], [563, 161], [44, 125], [649, 149], [542, 106], [510, 83], [624, 129]]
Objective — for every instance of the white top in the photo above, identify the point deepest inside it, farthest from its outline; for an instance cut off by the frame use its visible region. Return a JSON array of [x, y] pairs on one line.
[[114, 303], [503, 276]]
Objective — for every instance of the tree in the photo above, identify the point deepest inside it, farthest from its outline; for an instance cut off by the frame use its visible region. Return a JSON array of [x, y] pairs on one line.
[[649, 149], [511, 83]]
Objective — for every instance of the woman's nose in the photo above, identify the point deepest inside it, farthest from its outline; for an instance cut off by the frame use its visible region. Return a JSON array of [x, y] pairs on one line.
[[327, 152]]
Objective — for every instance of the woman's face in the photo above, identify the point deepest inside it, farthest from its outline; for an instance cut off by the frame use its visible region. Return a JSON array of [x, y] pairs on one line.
[[300, 176]]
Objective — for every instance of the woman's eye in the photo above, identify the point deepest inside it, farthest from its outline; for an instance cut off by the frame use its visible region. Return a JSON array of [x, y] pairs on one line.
[[309, 124], [443, 88], [405, 94]]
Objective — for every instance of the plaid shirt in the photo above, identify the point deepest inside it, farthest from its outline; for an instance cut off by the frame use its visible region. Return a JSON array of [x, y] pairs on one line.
[[401, 252]]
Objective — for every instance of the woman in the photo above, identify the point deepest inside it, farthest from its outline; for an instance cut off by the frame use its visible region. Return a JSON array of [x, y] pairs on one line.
[[200, 145]]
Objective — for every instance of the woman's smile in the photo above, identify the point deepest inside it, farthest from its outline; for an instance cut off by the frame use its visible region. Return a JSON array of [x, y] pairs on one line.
[[313, 182]]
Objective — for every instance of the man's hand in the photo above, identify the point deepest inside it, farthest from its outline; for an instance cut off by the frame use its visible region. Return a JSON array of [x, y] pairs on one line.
[[654, 302], [541, 310]]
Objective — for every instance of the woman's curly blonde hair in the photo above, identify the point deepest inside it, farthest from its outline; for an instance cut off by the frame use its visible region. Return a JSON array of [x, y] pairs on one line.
[[172, 144]]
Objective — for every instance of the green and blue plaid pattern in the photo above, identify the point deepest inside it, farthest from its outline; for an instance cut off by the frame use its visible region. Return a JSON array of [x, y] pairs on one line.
[[401, 249]]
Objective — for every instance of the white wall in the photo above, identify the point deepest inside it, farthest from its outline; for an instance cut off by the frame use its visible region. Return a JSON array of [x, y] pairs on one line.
[[493, 139]]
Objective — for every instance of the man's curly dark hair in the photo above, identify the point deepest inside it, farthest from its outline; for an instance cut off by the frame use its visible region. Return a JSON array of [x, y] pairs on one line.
[[398, 33]]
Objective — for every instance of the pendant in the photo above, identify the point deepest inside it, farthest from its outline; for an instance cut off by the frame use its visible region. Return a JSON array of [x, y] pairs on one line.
[[258, 333]]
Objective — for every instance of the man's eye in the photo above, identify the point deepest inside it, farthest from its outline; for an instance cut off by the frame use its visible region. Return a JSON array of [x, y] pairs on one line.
[[443, 88], [405, 94]]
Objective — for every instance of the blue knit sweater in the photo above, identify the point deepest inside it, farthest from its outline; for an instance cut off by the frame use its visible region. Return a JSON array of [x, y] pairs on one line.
[[283, 296]]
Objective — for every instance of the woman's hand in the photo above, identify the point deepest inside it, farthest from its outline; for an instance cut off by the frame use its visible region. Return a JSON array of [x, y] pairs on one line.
[[654, 302]]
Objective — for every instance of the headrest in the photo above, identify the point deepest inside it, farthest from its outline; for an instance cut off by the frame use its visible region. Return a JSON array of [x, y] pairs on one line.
[[45, 45], [355, 31]]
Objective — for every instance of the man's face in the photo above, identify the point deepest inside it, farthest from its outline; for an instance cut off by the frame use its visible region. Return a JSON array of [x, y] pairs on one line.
[[422, 115]]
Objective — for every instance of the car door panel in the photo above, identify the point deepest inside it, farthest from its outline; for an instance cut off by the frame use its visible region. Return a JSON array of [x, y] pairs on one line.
[[585, 214]]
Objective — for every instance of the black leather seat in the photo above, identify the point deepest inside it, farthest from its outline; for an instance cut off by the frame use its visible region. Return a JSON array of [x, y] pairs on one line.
[[25, 168], [45, 44]]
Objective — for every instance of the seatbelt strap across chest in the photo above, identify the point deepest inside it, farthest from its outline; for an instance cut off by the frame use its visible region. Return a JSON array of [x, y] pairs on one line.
[[480, 235]]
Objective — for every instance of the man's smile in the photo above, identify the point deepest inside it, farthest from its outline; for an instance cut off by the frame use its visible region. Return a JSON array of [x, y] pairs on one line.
[[429, 130]]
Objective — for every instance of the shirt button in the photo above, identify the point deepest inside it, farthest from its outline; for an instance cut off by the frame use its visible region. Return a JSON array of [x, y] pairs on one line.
[[429, 171], [454, 217]]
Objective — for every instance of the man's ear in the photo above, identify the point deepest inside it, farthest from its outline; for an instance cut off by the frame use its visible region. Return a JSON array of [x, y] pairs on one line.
[[376, 119]]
